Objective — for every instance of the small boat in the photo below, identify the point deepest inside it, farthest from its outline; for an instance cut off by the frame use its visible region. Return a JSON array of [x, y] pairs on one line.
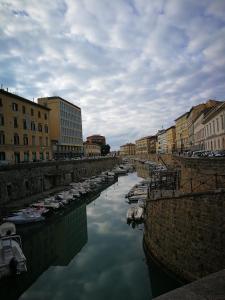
[[12, 259], [24, 217], [138, 213], [130, 213]]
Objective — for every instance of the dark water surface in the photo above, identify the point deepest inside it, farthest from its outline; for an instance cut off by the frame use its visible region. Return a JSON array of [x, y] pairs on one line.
[[88, 252]]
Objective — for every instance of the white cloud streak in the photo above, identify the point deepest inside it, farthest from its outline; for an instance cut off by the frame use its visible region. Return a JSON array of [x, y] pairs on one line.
[[131, 65]]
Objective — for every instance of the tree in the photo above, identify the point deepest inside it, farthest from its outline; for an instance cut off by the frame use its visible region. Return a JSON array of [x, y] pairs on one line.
[[105, 149]]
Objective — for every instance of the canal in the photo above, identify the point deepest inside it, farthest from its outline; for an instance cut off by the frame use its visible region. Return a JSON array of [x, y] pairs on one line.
[[89, 252]]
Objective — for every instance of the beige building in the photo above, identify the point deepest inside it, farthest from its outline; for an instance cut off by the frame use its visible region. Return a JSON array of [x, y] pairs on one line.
[[92, 150], [65, 127], [182, 133], [24, 129], [145, 146], [214, 128], [127, 149], [171, 139], [194, 112]]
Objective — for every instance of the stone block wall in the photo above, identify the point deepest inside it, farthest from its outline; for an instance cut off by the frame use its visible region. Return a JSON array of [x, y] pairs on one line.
[[23, 180], [186, 233]]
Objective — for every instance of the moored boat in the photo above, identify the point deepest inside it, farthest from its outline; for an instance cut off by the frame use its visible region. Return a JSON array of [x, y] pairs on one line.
[[12, 259]]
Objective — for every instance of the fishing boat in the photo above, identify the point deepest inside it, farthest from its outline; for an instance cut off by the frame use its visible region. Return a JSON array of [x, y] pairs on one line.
[[12, 259]]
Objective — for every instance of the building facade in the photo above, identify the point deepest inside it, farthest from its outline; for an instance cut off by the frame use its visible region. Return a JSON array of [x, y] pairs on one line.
[[193, 114], [92, 150], [171, 139], [127, 149], [182, 133], [65, 127], [161, 142], [96, 139], [24, 129], [145, 146], [214, 128]]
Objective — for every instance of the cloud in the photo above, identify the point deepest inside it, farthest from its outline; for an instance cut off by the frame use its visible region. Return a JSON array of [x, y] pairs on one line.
[[132, 66]]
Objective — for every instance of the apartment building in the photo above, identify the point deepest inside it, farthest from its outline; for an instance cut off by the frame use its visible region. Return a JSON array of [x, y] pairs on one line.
[[182, 133], [24, 129], [127, 149], [214, 128], [171, 139], [194, 112], [92, 150], [161, 142], [65, 127], [97, 139], [145, 146]]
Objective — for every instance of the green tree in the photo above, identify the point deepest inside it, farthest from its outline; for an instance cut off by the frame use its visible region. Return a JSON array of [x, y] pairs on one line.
[[105, 149]]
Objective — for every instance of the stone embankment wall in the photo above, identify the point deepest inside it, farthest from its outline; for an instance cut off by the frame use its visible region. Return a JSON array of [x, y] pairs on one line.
[[186, 233], [21, 181], [201, 174]]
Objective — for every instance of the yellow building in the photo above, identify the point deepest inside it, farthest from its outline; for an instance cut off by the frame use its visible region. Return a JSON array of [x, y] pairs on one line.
[[92, 149], [127, 149], [24, 129], [182, 133], [65, 127], [145, 146], [171, 139]]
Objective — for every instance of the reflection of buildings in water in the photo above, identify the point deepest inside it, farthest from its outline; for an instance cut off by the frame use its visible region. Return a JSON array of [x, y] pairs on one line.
[[72, 236], [142, 170], [54, 243]]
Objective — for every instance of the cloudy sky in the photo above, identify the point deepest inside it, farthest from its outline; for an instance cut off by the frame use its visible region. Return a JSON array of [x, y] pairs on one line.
[[132, 66]]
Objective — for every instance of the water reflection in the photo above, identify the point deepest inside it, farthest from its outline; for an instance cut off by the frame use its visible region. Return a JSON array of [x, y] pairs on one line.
[[53, 243], [112, 265]]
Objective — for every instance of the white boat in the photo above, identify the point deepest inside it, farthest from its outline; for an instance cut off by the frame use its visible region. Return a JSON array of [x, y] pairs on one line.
[[138, 213], [12, 259], [24, 217], [135, 198], [130, 213]]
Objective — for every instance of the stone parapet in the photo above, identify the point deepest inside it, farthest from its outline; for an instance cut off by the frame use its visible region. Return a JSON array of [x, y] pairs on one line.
[[185, 233]]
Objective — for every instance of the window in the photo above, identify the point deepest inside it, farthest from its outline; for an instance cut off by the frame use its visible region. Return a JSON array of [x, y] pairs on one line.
[[46, 141], [222, 122], [40, 127], [24, 109], [40, 141], [41, 155], [33, 140], [217, 124], [218, 143], [25, 139], [31, 111], [46, 128], [15, 107], [47, 155], [34, 156], [26, 156], [32, 126], [15, 122], [2, 155], [46, 116], [0, 101], [1, 120], [39, 114], [24, 124], [213, 126], [16, 139], [2, 138]]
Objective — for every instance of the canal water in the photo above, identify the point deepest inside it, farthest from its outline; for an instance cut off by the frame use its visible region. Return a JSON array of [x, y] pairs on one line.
[[89, 252]]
